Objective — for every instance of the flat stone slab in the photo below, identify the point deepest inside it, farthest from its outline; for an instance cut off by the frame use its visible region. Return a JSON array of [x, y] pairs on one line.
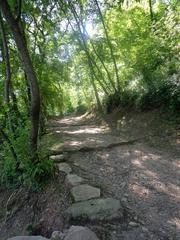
[[57, 158], [84, 192], [64, 167], [27, 238], [80, 233], [96, 209], [73, 180]]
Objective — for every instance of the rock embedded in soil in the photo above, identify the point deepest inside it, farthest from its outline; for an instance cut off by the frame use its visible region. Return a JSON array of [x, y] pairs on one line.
[[27, 238], [84, 192], [144, 229], [57, 158], [73, 180], [64, 167], [80, 233], [133, 224], [57, 235], [96, 209]]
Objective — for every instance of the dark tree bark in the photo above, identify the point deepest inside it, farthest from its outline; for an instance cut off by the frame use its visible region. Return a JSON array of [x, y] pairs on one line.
[[6, 59], [29, 70], [99, 105], [28, 94], [8, 91], [150, 10]]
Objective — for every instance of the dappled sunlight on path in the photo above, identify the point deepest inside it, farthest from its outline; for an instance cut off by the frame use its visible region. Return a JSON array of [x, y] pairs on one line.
[[82, 135], [145, 180]]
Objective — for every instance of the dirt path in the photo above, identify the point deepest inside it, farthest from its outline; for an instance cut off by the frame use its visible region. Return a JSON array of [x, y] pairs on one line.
[[144, 179]]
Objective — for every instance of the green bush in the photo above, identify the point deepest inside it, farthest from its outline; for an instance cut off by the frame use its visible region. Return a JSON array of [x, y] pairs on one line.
[[165, 94], [81, 109], [111, 102], [32, 171]]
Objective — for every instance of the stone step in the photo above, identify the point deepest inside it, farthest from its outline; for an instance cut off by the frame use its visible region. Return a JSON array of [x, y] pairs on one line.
[[80, 233], [73, 180], [96, 209], [64, 167], [57, 158], [85, 192], [74, 233]]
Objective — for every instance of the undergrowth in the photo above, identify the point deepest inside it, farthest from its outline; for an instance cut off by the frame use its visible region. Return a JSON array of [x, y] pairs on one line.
[[165, 95], [33, 171]]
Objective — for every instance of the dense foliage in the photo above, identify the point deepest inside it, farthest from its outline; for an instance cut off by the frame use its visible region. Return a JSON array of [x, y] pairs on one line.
[[79, 55]]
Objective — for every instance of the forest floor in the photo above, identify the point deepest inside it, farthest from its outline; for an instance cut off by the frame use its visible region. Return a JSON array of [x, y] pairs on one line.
[[130, 156]]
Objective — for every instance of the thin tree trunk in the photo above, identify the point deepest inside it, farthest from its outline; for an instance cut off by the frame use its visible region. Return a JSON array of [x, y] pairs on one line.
[[96, 95], [109, 44], [103, 64], [85, 48], [150, 9], [91, 62], [8, 85], [28, 67], [94, 86], [6, 58], [28, 94], [96, 53], [14, 101]]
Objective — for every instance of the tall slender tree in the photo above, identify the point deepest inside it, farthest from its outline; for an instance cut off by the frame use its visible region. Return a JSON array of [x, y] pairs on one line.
[[21, 43], [109, 44]]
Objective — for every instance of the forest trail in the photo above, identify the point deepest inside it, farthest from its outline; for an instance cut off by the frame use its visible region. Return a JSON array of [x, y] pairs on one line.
[[114, 169], [78, 135], [143, 178]]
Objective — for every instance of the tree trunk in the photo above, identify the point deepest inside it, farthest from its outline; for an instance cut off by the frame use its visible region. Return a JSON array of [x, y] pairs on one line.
[[90, 60], [7, 84], [8, 91], [83, 44], [150, 9], [77, 18], [28, 67], [109, 44], [96, 95], [6, 59]]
